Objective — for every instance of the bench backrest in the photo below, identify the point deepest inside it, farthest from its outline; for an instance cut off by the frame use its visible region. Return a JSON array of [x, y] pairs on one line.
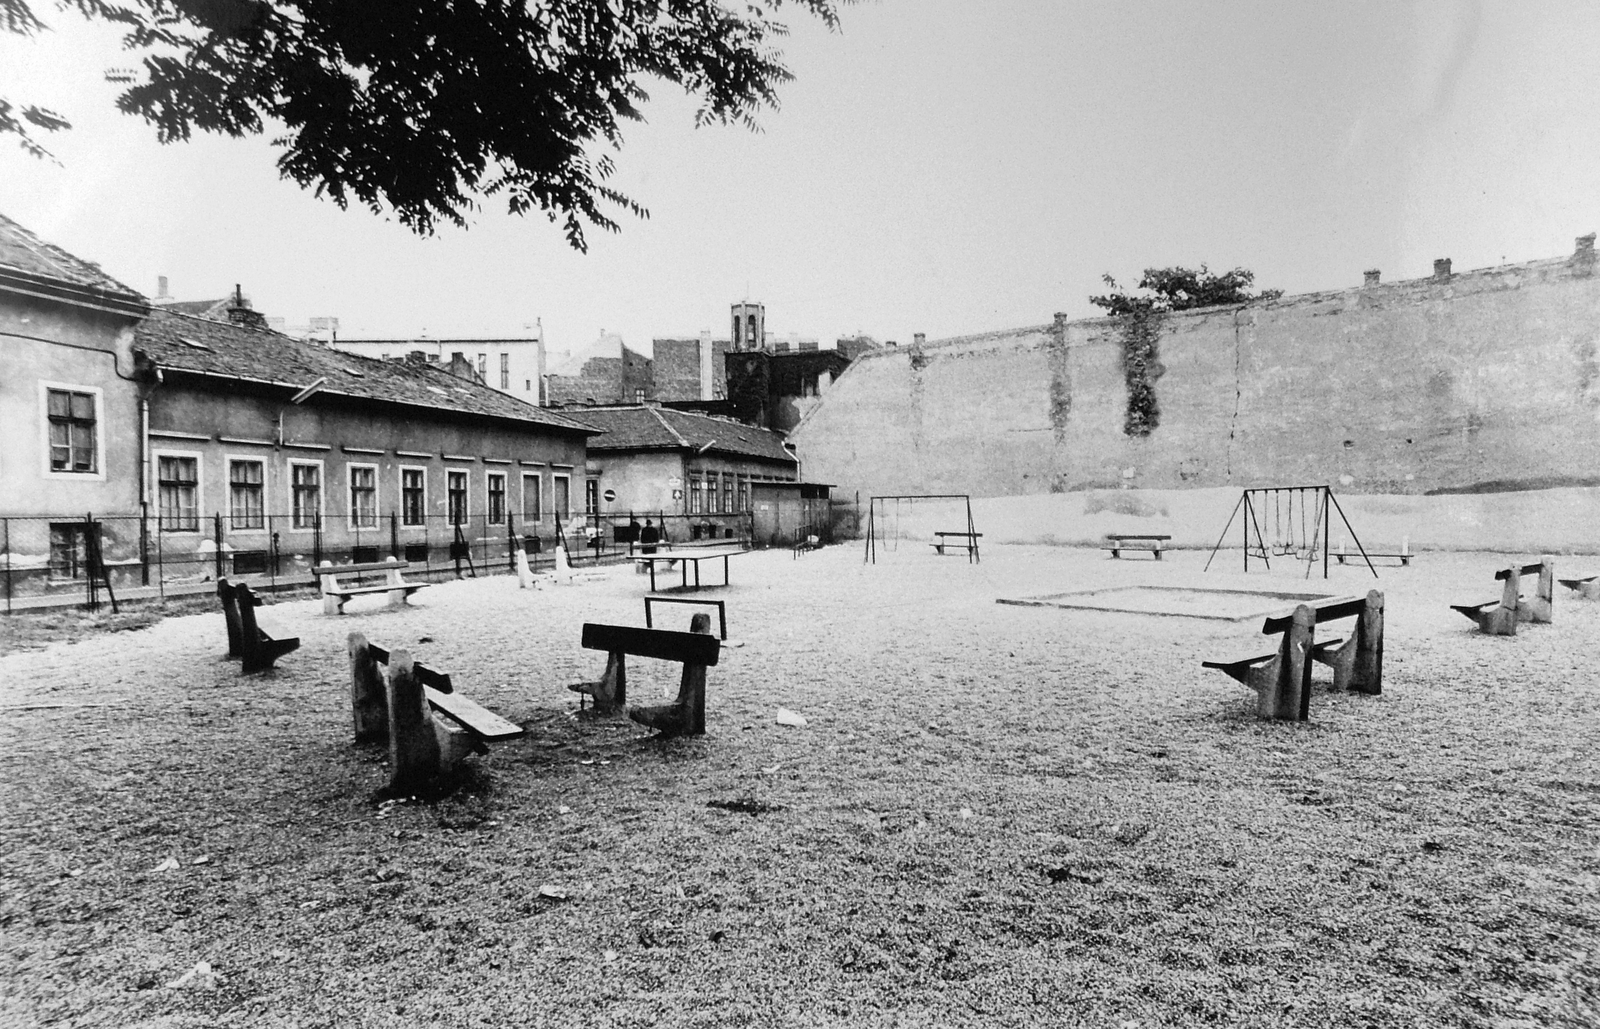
[[694, 648], [393, 565], [425, 675], [1326, 612], [1505, 573]]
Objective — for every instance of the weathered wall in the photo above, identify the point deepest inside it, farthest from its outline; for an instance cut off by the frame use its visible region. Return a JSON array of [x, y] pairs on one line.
[[1485, 380], [80, 349]]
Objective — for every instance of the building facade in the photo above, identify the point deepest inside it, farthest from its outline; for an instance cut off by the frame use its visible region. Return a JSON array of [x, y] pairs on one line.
[[270, 450], [513, 365]]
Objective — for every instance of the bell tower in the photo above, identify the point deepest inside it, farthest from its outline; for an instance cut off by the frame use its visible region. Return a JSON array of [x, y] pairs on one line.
[[749, 327]]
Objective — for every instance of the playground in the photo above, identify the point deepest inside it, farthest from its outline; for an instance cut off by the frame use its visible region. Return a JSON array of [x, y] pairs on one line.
[[993, 815]]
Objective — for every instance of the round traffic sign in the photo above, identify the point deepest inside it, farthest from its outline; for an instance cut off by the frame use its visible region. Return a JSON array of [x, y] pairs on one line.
[[610, 495]]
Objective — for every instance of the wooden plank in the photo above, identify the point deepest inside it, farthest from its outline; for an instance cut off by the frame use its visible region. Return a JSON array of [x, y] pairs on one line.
[[1321, 610], [663, 644], [1505, 573], [425, 675], [1124, 536], [469, 715]]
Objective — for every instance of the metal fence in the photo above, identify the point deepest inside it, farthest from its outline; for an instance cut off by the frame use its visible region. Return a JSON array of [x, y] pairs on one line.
[[84, 560]]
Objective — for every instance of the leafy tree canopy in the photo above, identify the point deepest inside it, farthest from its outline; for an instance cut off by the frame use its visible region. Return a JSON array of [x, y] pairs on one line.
[[425, 106], [1180, 289]]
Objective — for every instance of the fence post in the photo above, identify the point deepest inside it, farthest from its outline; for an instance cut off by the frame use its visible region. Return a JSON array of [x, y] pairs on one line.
[[144, 546], [394, 536], [511, 542], [316, 540], [6, 522], [217, 532], [92, 601], [274, 573]]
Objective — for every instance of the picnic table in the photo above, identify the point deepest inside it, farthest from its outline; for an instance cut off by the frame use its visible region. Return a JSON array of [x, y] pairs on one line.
[[688, 556]]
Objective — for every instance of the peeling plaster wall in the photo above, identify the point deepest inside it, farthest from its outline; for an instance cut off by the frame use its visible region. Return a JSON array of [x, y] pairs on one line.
[[1480, 381]]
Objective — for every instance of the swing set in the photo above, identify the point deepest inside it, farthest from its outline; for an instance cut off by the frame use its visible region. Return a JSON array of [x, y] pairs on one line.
[[883, 523], [1300, 521]]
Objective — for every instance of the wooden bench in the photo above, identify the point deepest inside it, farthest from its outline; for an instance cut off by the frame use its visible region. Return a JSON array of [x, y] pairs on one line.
[[696, 649], [970, 546], [1588, 587], [1403, 555], [1282, 677], [1118, 542], [428, 725], [246, 640], [1499, 616], [335, 594]]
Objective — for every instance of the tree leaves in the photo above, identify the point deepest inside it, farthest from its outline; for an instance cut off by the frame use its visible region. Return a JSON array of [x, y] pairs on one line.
[[422, 108], [1182, 289]]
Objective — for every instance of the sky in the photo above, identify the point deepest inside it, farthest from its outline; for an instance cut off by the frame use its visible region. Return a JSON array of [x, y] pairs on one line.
[[937, 166]]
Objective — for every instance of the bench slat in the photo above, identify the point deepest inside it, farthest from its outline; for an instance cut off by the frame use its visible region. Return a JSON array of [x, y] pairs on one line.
[[377, 566], [1348, 608], [479, 720], [1500, 576], [428, 677], [664, 644]]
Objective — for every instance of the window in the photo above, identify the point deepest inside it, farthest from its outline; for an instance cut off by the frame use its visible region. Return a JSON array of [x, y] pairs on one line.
[[178, 489], [638, 395], [483, 367], [531, 495], [456, 492], [72, 431], [363, 496], [68, 554], [497, 498], [744, 493], [246, 480], [727, 493], [413, 495], [562, 501], [305, 485], [591, 496], [527, 385], [696, 498], [505, 371]]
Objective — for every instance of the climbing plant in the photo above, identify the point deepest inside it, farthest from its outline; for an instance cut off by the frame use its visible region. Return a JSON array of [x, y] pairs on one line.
[[1164, 290]]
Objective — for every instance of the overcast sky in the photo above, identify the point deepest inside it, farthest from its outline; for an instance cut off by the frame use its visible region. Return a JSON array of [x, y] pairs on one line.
[[939, 166]]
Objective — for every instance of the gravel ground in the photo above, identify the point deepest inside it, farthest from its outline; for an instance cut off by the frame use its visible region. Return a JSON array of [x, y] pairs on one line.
[[996, 815]]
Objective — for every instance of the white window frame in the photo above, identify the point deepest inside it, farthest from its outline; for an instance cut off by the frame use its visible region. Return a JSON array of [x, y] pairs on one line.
[[565, 516], [322, 495], [466, 497], [400, 477], [505, 501], [199, 489], [227, 515], [350, 500], [99, 394], [538, 492]]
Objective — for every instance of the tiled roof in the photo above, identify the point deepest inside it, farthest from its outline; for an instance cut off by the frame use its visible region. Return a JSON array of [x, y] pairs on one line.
[[186, 343], [654, 428], [22, 251]]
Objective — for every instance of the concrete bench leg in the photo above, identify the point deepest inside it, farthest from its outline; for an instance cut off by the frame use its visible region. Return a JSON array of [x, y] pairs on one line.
[[413, 744], [1542, 607], [611, 692], [685, 716], [1283, 685], [369, 703]]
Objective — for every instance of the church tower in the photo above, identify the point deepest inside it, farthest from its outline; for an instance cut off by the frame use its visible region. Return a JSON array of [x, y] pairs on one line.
[[749, 326]]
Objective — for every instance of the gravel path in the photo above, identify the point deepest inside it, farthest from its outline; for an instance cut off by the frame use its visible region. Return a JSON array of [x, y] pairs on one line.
[[996, 815]]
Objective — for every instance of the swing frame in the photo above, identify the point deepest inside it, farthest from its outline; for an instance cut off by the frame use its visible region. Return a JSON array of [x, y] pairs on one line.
[[873, 528], [1320, 497]]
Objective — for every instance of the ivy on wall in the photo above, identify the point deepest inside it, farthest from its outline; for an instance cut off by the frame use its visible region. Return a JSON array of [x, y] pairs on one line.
[[1141, 316]]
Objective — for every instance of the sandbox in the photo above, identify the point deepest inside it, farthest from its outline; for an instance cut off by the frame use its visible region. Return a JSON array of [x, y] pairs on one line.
[[1174, 601]]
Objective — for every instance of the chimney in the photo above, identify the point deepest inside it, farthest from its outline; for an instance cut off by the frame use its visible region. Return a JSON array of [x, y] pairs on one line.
[[1370, 277], [1441, 270], [919, 338], [162, 294], [239, 312]]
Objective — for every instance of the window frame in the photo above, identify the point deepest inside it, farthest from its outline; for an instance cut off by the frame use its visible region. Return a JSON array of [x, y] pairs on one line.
[[199, 459], [452, 475], [538, 498], [320, 515], [231, 529], [350, 495], [422, 514], [555, 508], [98, 474], [489, 498]]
